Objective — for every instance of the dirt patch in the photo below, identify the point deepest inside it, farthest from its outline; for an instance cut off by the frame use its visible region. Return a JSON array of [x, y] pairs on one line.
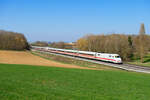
[[24, 57]]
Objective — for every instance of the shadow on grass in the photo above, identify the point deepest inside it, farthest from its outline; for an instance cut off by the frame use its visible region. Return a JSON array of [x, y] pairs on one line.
[[147, 60]]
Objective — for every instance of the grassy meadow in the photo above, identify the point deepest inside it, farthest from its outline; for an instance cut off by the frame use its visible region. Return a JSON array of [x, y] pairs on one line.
[[25, 82]]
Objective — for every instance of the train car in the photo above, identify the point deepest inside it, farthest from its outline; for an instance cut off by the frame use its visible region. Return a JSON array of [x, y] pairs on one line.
[[114, 58]]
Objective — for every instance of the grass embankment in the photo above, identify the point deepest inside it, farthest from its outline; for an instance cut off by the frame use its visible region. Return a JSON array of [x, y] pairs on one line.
[[25, 82], [137, 61], [72, 61]]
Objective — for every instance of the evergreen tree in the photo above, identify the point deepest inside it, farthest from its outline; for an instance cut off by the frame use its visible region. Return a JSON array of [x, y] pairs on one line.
[[141, 43], [142, 29]]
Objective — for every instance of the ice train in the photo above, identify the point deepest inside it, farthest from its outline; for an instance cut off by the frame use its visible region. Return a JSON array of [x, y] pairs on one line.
[[114, 58]]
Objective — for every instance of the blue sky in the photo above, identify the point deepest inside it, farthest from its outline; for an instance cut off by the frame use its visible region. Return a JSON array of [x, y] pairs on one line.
[[68, 20]]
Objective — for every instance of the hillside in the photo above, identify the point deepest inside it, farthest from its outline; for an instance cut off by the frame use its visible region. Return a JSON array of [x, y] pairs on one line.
[[26, 82], [24, 57]]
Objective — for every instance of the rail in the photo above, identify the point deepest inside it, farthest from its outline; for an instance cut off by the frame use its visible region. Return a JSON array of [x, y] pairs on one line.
[[127, 67]]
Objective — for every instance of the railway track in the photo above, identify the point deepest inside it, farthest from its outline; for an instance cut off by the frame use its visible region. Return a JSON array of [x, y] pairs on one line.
[[127, 67]]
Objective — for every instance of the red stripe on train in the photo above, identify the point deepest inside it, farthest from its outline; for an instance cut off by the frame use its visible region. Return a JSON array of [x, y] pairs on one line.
[[84, 55]]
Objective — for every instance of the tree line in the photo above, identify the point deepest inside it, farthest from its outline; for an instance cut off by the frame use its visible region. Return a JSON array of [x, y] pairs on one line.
[[61, 44], [128, 46], [13, 41]]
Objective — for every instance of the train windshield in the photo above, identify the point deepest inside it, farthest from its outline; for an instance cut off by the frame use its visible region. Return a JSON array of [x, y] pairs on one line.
[[117, 56]]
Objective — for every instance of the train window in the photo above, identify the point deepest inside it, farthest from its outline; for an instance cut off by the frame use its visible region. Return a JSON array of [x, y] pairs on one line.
[[87, 54], [109, 55], [117, 56]]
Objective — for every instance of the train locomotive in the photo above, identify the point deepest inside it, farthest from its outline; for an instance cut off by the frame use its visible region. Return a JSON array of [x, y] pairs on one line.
[[114, 58]]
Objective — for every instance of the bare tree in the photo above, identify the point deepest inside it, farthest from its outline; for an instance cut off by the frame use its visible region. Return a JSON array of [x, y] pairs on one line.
[[13, 41], [82, 44], [114, 43]]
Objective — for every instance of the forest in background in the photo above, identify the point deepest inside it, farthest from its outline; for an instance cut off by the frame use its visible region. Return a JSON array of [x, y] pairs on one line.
[[127, 46]]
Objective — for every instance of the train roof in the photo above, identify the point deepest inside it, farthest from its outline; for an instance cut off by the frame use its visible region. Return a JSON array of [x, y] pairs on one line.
[[69, 50], [88, 52]]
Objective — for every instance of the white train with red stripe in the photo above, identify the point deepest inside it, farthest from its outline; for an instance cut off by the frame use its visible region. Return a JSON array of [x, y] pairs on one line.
[[115, 58]]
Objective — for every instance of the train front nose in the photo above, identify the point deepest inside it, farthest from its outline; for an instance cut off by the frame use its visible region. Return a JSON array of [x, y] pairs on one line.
[[118, 60]]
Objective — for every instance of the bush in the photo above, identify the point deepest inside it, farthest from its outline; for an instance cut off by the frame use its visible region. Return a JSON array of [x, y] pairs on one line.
[[13, 41]]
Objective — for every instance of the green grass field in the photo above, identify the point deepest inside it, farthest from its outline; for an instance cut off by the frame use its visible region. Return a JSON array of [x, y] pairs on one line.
[[145, 63], [24, 82]]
